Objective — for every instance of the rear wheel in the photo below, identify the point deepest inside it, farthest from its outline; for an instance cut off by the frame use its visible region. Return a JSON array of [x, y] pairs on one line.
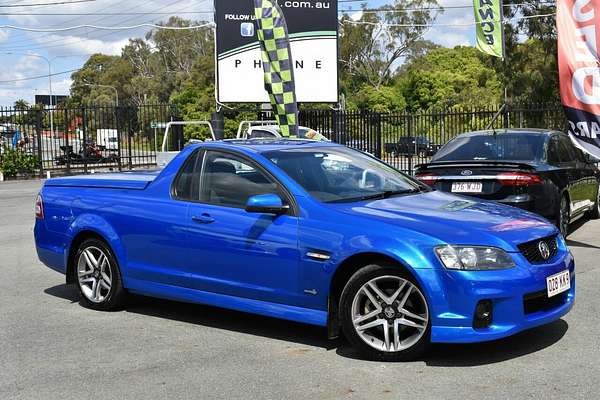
[[98, 277], [563, 218], [384, 314]]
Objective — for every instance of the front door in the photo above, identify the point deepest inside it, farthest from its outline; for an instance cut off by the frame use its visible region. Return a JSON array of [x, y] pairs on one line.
[[233, 251]]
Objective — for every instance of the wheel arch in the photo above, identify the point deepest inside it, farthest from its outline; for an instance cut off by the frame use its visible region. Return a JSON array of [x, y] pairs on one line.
[[95, 228], [342, 275]]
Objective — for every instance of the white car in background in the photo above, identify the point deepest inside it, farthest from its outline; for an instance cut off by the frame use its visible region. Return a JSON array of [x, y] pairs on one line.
[[268, 130]]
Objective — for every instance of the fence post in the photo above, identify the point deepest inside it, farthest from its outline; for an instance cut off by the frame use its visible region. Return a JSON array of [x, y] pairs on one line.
[[410, 134], [84, 139], [129, 145], [378, 138], [66, 133], [119, 142], [38, 132]]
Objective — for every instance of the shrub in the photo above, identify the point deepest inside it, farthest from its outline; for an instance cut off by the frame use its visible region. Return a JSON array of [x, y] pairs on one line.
[[15, 162]]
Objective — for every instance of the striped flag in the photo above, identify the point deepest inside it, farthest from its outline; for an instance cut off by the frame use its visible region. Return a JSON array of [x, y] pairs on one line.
[[277, 64]]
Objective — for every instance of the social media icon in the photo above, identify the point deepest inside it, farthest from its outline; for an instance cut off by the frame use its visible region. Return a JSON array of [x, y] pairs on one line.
[[247, 29]]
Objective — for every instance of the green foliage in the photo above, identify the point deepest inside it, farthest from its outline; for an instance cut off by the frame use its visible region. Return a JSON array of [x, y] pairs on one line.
[[15, 162], [449, 77], [384, 99], [371, 50], [382, 68]]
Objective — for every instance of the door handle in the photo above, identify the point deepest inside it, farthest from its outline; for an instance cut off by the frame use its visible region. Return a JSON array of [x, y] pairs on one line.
[[203, 219]]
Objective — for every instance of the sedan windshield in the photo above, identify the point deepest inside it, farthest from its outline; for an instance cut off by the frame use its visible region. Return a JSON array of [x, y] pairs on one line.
[[503, 146], [339, 174]]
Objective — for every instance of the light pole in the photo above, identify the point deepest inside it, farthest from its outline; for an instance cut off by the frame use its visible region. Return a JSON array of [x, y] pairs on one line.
[[49, 82], [105, 86], [49, 61]]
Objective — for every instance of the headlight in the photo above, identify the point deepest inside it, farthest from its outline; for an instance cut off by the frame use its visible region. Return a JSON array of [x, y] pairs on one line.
[[474, 258]]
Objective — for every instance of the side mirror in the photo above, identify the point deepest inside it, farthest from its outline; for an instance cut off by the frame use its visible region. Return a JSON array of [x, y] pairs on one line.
[[266, 204]]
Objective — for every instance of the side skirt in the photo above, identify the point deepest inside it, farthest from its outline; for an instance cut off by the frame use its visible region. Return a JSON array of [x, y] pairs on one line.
[[276, 310]]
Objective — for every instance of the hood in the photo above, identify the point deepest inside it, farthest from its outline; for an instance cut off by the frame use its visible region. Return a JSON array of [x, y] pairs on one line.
[[456, 220]]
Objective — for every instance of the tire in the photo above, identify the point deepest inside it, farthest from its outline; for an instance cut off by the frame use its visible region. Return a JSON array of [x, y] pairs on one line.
[[398, 312], [595, 212], [98, 276], [563, 217]]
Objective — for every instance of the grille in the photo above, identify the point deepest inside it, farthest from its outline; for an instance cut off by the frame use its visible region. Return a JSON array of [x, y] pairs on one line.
[[539, 301], [531, 250]]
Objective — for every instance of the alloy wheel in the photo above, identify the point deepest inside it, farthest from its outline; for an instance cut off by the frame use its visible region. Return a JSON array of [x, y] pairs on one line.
[[94, 274], [390, 314]]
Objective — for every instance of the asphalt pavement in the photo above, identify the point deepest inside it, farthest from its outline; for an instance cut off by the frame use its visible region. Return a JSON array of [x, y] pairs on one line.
[[52, 348]]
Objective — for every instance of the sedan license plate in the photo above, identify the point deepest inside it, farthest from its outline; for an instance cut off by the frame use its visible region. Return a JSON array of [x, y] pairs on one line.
[[558, 283], [467, 187]]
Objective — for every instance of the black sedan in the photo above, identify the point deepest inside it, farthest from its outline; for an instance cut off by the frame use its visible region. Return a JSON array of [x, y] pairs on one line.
[[537, 170]]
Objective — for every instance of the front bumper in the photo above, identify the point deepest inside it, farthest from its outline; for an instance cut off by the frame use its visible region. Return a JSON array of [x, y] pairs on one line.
[[453, 297]]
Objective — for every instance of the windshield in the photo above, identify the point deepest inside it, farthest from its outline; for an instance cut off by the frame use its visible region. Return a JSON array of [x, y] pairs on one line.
[[503, 146], [340, 174]]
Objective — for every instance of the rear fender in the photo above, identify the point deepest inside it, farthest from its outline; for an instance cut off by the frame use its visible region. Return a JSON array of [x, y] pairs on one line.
[[99, 226]]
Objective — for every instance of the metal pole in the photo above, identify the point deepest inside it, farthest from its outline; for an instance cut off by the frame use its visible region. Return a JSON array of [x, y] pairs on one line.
[[51, 97]]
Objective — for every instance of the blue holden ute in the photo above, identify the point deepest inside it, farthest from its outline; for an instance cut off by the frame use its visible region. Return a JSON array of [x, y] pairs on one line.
[[311, 232]]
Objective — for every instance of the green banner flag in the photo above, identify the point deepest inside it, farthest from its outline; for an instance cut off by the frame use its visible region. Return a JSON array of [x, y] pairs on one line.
[[277, 64], [490, 36]]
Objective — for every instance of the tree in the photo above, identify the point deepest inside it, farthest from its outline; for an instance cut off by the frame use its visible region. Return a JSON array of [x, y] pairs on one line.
[[104, 70], [530, 71], [372, 46], [448, 77], [21, 105]]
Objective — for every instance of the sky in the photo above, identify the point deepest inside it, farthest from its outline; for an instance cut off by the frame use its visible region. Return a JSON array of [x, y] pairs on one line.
[[69, 50]]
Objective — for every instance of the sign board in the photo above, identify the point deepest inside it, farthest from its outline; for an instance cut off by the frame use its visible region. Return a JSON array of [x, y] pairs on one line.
[[45, 99], [158, 125], [313, 29]]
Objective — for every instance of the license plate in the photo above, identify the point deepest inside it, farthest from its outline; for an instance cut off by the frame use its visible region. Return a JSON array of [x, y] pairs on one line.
[[467, 187], [558, 283]]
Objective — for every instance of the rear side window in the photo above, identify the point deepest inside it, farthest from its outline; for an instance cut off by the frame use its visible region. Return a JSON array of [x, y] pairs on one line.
[[567, 150], [229, 180], [185, 184], [553, 151]]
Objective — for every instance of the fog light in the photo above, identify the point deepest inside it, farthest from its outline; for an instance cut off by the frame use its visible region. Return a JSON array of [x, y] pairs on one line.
[[483, 314]]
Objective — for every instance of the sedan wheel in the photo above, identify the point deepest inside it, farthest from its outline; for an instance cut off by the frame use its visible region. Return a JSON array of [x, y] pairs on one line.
[[98, 277], [387, 316]]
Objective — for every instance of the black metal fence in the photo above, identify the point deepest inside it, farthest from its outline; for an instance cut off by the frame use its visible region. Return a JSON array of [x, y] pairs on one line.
[[84, 139], [405, 140]]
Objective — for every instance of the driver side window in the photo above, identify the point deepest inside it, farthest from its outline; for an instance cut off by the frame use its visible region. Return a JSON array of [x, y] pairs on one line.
[[229, 180]]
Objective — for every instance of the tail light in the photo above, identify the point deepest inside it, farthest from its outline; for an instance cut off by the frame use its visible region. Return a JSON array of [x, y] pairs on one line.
[[518, 179], [428, 179], [39, 208]]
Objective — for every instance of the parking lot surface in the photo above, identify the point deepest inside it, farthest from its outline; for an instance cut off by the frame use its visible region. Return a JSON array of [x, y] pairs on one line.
[[52, 348]]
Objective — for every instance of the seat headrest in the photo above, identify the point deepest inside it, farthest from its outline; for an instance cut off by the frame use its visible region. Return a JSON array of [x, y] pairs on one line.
[[221, 167]]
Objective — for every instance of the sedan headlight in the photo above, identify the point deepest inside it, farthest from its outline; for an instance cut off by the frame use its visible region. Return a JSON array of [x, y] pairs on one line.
[[474, 258]]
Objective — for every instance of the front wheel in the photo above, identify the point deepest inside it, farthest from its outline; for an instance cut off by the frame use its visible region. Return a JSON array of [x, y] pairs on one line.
[[98, 277], [384, 314]]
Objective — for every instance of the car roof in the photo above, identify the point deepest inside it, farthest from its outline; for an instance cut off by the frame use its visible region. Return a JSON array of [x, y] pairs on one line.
[[519, 131], [265, 145]]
